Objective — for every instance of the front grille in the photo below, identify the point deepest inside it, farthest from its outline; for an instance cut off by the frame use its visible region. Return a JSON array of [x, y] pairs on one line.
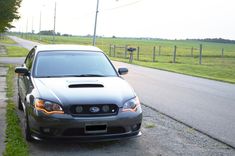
[[81, 131], [94, 110]]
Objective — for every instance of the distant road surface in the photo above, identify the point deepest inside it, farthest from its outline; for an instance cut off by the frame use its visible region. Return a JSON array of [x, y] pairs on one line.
[[206, 105]]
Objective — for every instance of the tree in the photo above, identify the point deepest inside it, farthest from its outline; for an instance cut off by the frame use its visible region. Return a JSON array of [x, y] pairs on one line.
[[8, 12], [47, 32]]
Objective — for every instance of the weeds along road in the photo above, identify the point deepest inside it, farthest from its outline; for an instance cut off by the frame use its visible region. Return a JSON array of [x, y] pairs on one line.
[[206, 105]]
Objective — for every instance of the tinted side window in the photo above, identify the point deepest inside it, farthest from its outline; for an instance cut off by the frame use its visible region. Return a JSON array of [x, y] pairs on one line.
[[29, 59]]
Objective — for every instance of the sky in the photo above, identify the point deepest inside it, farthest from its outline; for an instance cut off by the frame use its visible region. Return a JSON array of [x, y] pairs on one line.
[[168, 19]]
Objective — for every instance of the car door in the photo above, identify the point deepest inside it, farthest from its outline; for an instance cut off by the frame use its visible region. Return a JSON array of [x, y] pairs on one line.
[[25, 83]]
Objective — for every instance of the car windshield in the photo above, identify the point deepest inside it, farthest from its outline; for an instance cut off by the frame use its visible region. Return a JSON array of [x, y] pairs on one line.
[[72, 64]]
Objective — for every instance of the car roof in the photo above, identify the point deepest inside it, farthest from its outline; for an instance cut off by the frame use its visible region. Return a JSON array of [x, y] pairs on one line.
[[61, 47]]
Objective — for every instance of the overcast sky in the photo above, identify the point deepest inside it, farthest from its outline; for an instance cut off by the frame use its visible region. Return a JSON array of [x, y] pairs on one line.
[[169, 19]]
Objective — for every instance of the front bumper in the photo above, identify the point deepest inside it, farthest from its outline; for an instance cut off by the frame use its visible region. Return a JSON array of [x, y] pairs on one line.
[[65, 126]]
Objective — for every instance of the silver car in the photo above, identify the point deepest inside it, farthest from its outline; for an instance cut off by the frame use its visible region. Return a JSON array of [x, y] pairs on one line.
[[74, 92]]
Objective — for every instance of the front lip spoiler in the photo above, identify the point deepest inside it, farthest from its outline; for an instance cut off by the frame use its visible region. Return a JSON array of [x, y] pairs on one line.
[[93, 139]]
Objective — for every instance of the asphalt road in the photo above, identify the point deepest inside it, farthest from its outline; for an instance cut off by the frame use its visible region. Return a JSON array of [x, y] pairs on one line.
[[206, 105]]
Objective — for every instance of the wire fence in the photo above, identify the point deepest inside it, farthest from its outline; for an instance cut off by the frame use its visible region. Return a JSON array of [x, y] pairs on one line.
[[169, 54]]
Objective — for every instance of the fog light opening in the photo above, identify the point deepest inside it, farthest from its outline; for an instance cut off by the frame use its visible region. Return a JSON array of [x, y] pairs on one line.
[[46, 130], [79, 109], [105, 108], [136, 127]]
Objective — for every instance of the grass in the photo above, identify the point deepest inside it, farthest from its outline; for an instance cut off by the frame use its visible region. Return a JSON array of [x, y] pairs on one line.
[[149, 125], [7, 40], [223, 72], [14, 51], [214, 66], [15, 143]]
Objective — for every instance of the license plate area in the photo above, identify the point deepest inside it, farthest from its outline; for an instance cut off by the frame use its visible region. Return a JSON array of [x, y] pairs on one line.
[[92, 129]]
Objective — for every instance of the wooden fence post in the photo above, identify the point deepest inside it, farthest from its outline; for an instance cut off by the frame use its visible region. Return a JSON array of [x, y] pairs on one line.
[[159, 50], [192, 52], [222, 52], [200, 57], [138, 53], [110, 50], [126, 51], [154, 53], [114, 51], [174, 54]]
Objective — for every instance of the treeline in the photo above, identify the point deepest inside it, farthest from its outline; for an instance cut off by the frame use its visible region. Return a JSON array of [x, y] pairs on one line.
[[215, 40], [51, 32], [8, 12]]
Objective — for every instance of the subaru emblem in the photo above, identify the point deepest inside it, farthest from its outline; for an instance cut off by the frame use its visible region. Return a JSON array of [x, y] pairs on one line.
[[94, 109]]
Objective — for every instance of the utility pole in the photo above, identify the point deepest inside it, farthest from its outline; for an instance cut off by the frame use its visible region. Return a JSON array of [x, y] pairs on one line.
[[97, 11], [32, 26], [54, 24], [40, 24], [27, 24]]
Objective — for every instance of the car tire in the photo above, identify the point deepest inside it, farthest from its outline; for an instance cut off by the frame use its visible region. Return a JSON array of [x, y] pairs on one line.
[[20, 106], [28, 134]]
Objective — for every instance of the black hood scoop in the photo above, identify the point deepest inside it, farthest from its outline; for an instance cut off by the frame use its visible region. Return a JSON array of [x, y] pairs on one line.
[[86, 86]]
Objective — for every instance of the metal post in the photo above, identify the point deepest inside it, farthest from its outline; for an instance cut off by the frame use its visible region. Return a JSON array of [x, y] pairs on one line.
[[131, 57], [174, 54], [54, 23], [131, 50], [96, 15], [154, 52], [200, 57]]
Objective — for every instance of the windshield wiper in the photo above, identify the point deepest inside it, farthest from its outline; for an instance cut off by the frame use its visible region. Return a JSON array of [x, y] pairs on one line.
[[81, 75], [87, 75], [46, 76]]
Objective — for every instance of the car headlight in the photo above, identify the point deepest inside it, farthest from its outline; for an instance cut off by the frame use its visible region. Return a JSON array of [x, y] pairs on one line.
[[48, 107], [131, 105]]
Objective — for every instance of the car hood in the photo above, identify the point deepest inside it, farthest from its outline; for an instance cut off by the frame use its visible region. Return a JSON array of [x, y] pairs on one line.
[[87, 90]]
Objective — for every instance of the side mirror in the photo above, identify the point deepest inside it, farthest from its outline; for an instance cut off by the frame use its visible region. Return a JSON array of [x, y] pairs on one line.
[[22, 71], [122, 71]]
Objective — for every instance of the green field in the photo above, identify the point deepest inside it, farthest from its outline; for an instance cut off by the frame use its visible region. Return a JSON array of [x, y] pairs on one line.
[[214, 65]]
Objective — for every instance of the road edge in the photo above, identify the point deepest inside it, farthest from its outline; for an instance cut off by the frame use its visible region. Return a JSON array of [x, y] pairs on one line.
[[200, 131]]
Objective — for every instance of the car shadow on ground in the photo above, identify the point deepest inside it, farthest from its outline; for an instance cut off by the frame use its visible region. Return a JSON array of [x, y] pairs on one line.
[[123, 147], [61, 145]]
